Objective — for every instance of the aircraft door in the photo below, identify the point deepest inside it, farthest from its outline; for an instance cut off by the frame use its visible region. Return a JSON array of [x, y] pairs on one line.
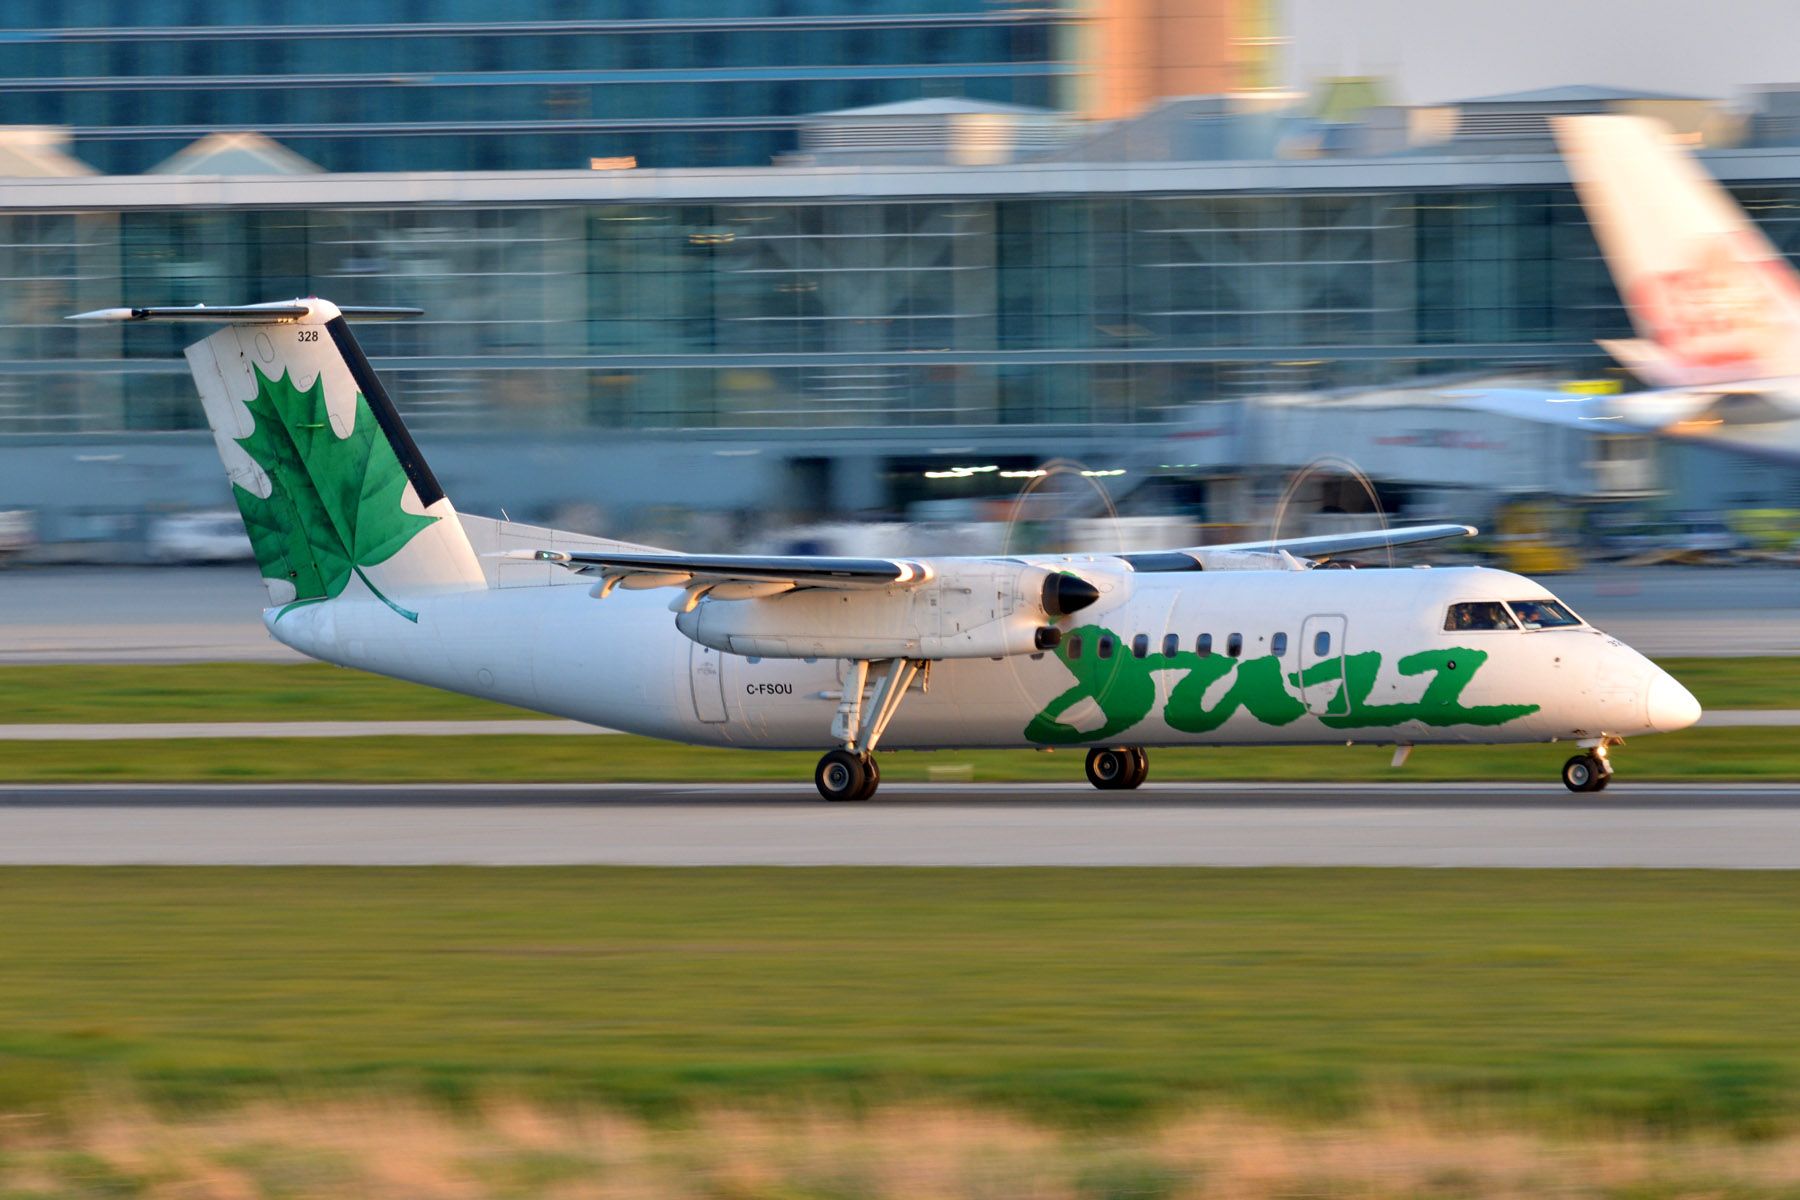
[[706, 669], [1322, 653]]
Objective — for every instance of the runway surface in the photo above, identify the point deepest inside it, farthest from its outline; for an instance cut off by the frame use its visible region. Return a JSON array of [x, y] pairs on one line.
[[1227, 825]]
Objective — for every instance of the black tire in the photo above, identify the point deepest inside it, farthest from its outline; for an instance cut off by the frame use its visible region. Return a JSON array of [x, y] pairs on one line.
[[1583, 773], [872, 779], [1140, 768], [841, 775], [1109, 769]]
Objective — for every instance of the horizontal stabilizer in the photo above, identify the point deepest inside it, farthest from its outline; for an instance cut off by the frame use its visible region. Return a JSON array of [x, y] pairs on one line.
[[241, 314]]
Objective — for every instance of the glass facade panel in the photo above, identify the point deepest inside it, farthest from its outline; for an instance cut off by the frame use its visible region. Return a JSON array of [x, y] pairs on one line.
[[971, 311], [513, 84]]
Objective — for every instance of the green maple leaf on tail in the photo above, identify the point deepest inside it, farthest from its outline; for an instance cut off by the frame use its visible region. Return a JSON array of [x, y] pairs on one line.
[[334, 503]]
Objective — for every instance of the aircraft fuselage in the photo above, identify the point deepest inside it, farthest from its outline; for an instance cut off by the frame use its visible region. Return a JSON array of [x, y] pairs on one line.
[[1289, 657]]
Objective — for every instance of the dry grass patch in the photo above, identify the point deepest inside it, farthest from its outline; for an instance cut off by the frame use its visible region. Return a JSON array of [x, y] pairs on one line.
[[376, 1147]]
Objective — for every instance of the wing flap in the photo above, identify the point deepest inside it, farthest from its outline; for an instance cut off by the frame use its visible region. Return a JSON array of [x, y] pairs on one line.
[[681, 569]]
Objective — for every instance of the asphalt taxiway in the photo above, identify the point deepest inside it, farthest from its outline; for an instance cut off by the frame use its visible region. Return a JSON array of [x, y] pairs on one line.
[[1748, 826]]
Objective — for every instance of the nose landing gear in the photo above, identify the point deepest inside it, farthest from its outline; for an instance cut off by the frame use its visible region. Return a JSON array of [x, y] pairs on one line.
[[1117, 768], [1589, 772]]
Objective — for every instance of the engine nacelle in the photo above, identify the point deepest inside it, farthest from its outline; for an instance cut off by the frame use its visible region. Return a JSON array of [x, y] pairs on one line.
[[970, 609]]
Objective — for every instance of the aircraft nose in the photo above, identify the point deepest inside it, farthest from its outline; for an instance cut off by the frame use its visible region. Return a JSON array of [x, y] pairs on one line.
[[1667, 705]]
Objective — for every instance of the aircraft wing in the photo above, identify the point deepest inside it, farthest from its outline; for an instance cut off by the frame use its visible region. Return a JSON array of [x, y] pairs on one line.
[[1552, 407], [1346, 543], [1664, 409], [1244, 555], [634, 569], [663, 570]]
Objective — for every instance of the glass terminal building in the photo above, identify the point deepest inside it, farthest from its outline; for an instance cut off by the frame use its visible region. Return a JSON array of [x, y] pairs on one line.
[[1002, 296], [816, 319], [500, 85]]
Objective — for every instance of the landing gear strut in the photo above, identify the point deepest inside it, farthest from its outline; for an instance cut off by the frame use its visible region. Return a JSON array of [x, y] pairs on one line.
[[1589, 772], [1117, 768], [850, 773]]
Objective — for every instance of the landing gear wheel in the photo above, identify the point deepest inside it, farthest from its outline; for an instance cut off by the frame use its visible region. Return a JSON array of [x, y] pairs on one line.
[[1108, 769], [1117, 769], [1140, 766], [1586, 773], [842, 775], [873, 779]]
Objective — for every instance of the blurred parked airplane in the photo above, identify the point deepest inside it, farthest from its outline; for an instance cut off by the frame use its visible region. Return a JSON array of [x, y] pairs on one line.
[[1716, 307], [368, 565]]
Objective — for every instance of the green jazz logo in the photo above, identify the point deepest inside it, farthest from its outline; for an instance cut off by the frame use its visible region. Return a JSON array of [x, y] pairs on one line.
[[1124, 689]]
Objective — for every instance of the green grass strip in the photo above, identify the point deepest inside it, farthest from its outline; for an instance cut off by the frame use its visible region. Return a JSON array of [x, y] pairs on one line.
[[121, 693], [1698, 754], [1656, 998]]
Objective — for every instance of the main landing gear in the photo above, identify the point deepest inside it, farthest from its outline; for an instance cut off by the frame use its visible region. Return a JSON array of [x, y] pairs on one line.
[[1117, 768], [1589, 772], [850, 773], [844, 775]]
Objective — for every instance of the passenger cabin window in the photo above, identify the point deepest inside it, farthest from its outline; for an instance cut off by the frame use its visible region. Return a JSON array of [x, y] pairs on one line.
[[1075, 646], [1171, 645], [1478, 614], [1278, 645], [1105, 647], [1203, 645], [1140, 645], [1234, 645], [1321, 644], [1543, 614]]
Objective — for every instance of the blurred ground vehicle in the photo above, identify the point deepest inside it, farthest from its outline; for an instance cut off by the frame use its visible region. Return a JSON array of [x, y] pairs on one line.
[[18, 532], [1697, 538], [200, 537], [1532, 537], [1769, 531], [1705, 534]]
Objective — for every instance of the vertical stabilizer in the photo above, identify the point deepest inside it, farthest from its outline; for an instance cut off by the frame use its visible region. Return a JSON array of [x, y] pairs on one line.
[[335, 496], [1710, 298]]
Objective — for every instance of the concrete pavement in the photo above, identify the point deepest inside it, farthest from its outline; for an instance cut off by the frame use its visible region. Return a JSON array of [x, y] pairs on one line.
[[973, 825]]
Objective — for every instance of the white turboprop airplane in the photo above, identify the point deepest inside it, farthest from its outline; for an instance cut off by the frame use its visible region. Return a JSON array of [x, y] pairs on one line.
[[1716, 307], [368, 565]]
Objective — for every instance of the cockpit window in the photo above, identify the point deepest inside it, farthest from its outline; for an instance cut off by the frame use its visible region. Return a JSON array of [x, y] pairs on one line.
[[1543, 614], [1478, 614]]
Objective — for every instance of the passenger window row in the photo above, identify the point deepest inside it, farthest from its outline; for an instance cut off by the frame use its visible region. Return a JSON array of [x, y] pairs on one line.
[[1105, 645]]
